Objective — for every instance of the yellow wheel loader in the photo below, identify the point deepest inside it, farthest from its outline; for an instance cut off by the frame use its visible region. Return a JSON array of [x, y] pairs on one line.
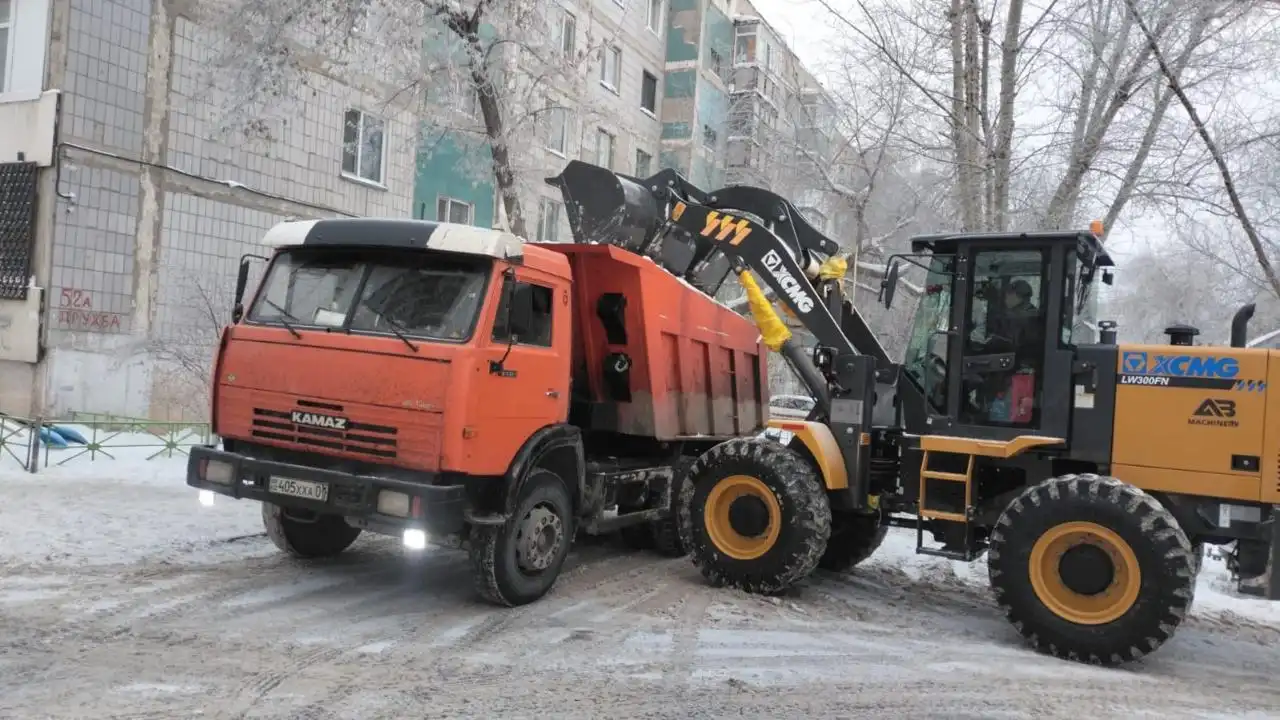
[[1090, 474]]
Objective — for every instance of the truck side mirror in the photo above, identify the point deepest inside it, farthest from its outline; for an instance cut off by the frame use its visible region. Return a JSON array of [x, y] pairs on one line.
[[1108, 277], [242, 281], [889, 285], [520, 312]]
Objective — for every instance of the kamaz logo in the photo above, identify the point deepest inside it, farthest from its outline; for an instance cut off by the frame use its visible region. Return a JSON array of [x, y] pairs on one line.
[[1203, 366], [309, 419], [790, 286]]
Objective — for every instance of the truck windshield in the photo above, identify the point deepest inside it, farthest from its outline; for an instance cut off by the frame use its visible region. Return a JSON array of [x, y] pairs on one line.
[[419, 294]]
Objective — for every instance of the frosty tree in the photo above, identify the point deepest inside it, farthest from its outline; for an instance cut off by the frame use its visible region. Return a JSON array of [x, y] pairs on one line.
[[502, 74]]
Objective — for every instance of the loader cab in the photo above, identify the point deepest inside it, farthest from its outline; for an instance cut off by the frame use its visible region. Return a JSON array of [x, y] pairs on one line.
[[992, 345]]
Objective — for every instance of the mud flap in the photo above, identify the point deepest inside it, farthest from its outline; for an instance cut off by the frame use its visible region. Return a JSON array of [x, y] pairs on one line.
[[1266, 585]]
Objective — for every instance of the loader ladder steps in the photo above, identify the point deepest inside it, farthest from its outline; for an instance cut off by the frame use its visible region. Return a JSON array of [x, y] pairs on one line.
[[925, 513]]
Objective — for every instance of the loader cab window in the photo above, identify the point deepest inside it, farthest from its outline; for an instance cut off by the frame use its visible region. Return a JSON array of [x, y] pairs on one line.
[[541, 330], [926, 357], [1004, 343]]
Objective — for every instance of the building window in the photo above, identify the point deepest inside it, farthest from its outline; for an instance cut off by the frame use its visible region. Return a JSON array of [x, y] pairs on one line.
[[611, 68], [644, 164], [566, 33], [549, 221], [744, 47], [453, 211], [363, 146], [6, 23], [649, 92], [655, 15], [557, 129], [604, 148]]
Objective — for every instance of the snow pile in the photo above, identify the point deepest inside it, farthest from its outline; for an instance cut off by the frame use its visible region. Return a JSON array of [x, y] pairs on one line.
[[105, 511]]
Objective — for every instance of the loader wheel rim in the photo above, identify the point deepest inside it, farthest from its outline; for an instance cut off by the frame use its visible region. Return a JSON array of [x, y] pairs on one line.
[[1085, 573], [743, 517]]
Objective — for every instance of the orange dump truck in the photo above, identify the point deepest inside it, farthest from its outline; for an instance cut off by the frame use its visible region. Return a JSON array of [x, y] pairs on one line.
[[448, 384]]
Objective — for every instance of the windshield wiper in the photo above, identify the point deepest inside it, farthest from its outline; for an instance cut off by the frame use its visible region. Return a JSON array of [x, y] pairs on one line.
[[396, 327], [284, 314]]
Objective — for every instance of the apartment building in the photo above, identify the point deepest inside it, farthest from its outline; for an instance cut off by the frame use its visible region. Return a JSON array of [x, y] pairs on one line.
[[609, 117], [123, 217]]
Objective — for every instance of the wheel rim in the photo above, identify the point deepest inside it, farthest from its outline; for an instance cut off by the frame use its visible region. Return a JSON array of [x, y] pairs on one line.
[[1085, 573], [538, 539], [742, 517]]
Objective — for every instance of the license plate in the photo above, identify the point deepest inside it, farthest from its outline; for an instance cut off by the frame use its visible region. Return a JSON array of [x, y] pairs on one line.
[[299, 488]]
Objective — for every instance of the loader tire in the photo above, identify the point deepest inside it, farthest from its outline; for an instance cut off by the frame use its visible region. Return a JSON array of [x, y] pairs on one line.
[[1091, 569], [754, 516], [319, 536], [666, 532], [517, 562], [854, 538]]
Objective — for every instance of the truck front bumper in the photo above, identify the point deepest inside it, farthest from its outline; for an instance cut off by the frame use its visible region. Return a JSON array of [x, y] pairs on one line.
[[375, 503]]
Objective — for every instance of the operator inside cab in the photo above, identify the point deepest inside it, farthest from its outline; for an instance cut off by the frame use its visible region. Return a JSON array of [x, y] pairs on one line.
[[1015, 326]]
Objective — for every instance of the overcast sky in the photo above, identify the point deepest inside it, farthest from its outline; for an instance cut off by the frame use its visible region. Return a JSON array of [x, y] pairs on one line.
[[808, 27]]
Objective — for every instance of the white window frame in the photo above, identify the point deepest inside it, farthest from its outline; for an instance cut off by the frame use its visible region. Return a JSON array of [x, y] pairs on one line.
[[553, 111], [611, 80], [6, 62], [449, 203], [549, 212], [655, 23], [380, 181], [653, 111], [601, 135], [647, 171], [567, 27]]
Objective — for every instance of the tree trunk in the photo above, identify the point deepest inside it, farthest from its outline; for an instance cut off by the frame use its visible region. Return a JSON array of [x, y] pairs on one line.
[[1003, 149], [1228, 183]]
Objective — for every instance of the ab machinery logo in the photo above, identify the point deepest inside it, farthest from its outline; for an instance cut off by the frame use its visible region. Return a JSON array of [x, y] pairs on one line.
[[1197, 371], [1216, 412]]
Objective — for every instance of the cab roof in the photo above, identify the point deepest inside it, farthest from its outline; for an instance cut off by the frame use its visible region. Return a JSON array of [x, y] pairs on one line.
[[397, 233], [949, 243]]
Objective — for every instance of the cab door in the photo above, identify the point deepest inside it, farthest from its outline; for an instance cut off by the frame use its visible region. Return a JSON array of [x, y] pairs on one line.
[[522, 382], [1009, 373]]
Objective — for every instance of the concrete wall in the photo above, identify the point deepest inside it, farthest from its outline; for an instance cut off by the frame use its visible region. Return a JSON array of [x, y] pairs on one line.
[[160, 202]]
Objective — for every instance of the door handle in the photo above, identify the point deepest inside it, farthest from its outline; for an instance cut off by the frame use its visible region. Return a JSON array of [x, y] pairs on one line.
[[553, 393]]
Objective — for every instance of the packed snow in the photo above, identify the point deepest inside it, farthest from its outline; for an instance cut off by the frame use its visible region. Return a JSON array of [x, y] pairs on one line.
[[150, 605]]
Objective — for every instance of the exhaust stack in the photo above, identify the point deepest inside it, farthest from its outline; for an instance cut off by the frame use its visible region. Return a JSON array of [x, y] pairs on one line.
[[1240, 325]]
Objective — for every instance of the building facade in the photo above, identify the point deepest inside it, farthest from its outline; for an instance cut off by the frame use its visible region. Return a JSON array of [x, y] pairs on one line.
[[125, 206], [117, 275]]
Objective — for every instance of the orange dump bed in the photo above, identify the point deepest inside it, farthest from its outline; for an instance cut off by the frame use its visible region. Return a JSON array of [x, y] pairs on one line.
[[656, 358]]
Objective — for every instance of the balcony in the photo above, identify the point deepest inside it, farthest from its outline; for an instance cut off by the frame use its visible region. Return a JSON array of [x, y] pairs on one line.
[[29, 125]]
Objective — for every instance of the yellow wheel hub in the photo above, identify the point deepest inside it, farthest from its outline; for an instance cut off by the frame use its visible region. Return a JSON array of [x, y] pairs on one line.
[[1085, 573], [742, 517]]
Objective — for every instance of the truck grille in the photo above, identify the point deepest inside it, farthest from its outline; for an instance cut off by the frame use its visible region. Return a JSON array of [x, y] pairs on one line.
[[324, 425]]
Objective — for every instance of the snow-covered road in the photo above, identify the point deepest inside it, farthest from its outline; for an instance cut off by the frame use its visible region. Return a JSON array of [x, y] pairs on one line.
[[121, 597]]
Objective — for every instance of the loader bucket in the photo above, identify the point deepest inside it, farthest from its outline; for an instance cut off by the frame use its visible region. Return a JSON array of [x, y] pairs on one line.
[[604, 207]]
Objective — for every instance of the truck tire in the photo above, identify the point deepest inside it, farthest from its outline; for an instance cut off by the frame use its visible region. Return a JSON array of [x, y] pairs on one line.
[[517, 562], [325, 536], [854, 538], [1091, 569], [754, 516]]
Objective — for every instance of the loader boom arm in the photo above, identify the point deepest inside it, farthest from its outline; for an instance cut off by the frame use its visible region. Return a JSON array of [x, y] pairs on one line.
[[756, 230]]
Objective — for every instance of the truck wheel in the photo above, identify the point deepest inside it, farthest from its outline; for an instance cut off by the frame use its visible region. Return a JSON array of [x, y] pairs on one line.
[[323, 536], [1092, 569], [517, 562], [754, 516], [854, 538]]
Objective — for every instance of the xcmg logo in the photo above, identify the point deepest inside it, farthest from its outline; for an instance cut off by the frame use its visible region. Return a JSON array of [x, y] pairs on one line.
[[1200, 366], [792, 287]]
